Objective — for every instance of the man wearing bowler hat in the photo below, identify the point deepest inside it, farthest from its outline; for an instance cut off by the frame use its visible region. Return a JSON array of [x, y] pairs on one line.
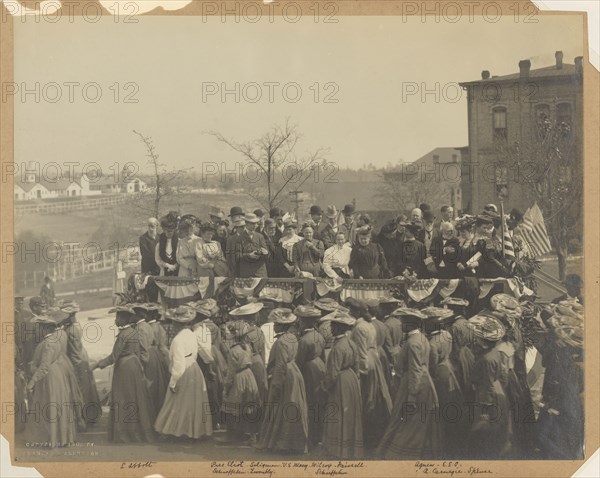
[[251, 249], [349, 225], [276, 214], [236, 213], [316, 221]]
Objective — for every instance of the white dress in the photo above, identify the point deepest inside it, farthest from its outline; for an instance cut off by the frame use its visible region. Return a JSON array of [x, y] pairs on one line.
[[185, 412]]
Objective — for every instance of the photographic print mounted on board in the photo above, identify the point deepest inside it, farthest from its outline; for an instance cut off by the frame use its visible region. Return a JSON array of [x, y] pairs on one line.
[[298, 238]]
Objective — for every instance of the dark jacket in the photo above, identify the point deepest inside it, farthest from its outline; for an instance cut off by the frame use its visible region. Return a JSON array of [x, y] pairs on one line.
[[147, 250], [445, 257], [250, 266]]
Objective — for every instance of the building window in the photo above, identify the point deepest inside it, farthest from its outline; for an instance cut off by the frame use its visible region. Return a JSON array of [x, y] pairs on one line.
[[499, 123], [563, 114]]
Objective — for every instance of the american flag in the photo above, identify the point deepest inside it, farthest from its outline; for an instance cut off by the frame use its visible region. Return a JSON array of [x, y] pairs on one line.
[[508, 248], [534, 231]]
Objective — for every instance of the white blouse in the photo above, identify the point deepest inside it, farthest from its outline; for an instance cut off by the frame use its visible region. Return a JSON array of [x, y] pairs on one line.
[[339, 257], [182, 354]]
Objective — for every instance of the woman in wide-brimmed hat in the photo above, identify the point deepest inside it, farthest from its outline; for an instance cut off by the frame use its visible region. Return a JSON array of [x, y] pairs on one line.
[[375, 395], [410, 433], [327, 305], [462, 357], [241, 403], [215, 367], [50, 388], [508, 310], [78, 356], [490, 431], [343, 430], [156, 368], [285, 416], [246, 315], [452, 417], [185, 409], [311, 361], [131, 413]]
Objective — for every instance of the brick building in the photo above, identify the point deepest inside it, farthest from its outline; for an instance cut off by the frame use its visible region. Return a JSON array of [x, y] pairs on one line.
[[504, 110]]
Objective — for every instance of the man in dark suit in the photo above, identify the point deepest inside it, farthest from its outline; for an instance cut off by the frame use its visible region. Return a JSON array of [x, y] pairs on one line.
[[148, 242], [275, 258], [251, 249], [329, 229], [230, 249], [444, 253], [277, 216]]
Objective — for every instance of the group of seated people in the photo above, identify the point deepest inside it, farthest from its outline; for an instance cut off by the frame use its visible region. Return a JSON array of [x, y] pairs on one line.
[[251, 245]]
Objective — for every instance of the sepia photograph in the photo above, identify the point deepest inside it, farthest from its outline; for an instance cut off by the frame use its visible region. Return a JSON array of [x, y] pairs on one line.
[[298, 238]]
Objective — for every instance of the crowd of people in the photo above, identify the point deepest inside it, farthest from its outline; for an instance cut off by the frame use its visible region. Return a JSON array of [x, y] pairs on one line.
[[384, 378], [333, 244]]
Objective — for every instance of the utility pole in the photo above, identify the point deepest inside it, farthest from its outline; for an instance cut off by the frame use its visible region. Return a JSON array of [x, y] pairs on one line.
[[297, 201]]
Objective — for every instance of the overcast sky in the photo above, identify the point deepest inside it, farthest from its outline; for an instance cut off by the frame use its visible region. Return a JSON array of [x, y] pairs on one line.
[[367, 60]]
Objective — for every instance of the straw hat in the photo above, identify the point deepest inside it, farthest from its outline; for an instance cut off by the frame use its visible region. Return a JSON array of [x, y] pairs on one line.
[[282, 316], [486, 327], [329, 305], [504, 301], [148, 306], [407, 312], [307, 311], [341, 317], [455, 301], [248, 309], [53, 317], [183, 314], [567, 321]]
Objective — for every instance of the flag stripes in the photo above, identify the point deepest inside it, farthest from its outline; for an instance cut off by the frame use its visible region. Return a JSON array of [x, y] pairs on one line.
[[534, 231]]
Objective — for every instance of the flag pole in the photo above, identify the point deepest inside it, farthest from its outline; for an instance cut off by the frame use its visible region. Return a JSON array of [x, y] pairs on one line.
[[502, 224]]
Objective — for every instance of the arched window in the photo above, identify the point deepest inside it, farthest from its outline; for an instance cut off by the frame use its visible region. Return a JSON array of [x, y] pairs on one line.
[[499, 123], [563, 114], [542, 119]]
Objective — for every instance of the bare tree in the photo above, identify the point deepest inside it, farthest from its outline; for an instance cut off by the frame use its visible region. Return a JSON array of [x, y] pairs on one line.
[[164, 184], [550, 170], [404, 190], [273, 158]]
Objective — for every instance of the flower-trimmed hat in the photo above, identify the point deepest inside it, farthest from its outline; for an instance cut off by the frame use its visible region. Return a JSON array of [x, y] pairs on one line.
[[282, 316], [341, 317], [278, 312], [307, 311], [183, 314], [486, 327], [504, 301], [408, 312], [328, 304], [455, 301], [169, 221], [464, 222], [147, 306], [205, 307]]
